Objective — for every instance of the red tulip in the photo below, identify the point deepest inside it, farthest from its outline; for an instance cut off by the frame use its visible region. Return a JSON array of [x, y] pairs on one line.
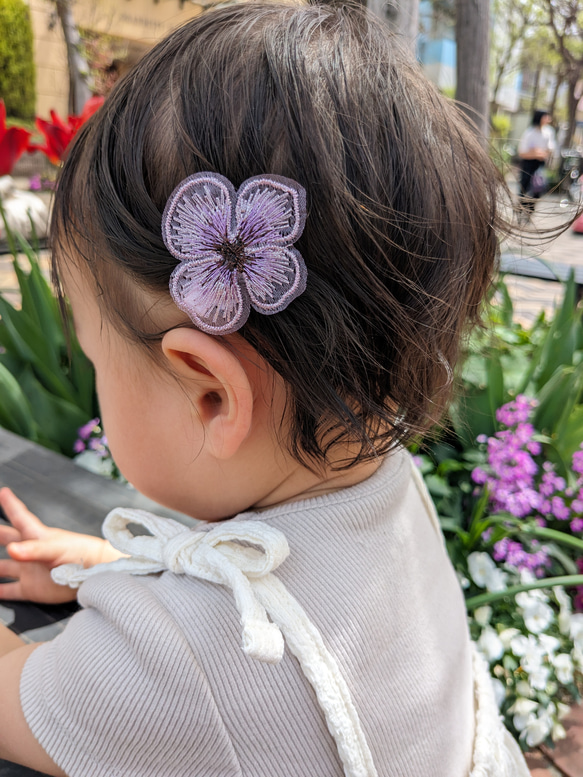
[[58, 135], [13, 143]]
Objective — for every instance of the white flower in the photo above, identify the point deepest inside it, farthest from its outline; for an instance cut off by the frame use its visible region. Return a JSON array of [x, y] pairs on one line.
[[562, 597], [564, 668], [462, 580], [522, 709], [564, 620], [490, 645], [482, 615], [496, 580], [558, 732], [499, 691], [479, 566], [95, 463], [530, 652], [537, 729], [527, 576], [507, 636], [576, 631], [523, 688], [537, 617], [519, 644], [562, 710], [549, 643], [538, 677], [523, 599], [577, 655]]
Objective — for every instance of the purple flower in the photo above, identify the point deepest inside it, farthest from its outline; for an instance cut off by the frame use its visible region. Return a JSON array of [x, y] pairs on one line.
[[516, 412], [559, 509], [234, 248], [578, 462], [577, 524], [479, 475], [87, 429], [78, 446], [513, 554]]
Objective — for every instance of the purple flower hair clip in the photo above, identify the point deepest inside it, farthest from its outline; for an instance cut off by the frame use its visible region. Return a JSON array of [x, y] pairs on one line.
[[235, 248]]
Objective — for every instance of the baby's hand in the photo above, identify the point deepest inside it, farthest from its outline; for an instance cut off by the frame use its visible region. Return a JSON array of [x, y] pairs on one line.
[[35, 549]]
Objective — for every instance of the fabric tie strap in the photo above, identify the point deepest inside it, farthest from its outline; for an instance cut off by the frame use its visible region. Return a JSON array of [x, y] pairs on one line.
[[241, 555]]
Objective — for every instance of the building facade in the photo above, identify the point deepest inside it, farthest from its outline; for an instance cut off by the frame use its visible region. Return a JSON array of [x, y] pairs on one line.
[[117, 30]]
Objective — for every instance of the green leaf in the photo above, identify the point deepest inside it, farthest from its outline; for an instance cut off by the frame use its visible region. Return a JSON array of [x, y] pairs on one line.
[[38, 300], [437, 486], [58, 418], [558, 394], [19, 334], [15, 410], [506, 307], [548, 582], [495, 383], [571, 435], [562, 337]]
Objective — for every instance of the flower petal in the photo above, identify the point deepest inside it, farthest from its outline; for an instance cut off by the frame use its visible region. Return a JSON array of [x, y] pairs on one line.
[[270, 210], [211, 294], [198, 216], [274, 276]]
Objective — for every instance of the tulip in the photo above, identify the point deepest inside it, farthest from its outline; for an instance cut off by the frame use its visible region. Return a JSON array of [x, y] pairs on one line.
[[13, 143], [58, 134]]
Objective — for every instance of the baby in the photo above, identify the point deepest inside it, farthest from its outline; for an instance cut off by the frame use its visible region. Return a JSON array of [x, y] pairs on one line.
[[272, 237]]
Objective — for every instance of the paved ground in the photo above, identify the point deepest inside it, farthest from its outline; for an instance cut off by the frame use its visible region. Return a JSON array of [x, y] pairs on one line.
[[530, 295], [566, 759]]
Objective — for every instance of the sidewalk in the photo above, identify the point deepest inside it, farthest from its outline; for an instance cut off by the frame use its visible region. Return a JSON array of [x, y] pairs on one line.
[[530, 296], [566, 759]]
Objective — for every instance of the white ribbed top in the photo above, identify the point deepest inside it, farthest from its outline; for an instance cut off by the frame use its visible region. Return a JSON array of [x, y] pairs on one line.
[[150, 680]]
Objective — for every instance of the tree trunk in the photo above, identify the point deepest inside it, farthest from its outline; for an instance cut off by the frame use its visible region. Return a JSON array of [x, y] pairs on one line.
[[472, 38], [572, 106], [535, 91], [402, 16], [79, 91], [558, 84]]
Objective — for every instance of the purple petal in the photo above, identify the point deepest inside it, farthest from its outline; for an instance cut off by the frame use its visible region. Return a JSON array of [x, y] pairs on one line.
[[274, 276], [211, 293], [199, 215], [270, 210]]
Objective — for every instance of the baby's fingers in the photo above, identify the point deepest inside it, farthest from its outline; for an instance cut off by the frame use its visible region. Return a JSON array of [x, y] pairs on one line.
[[13, 591], [31, 550], [19, 515], [8, 534]]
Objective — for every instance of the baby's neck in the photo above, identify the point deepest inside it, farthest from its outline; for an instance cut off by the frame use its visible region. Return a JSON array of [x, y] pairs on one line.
[[300, 483]]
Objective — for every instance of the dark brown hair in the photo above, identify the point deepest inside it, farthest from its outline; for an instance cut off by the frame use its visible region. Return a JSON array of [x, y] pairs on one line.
[[401, 235]]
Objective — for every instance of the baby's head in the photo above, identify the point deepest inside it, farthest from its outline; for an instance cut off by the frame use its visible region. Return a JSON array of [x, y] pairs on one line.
[[400, 237]]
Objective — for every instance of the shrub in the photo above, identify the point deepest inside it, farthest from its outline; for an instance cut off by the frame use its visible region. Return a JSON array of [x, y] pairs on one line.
[[17, 73], [47, 388]]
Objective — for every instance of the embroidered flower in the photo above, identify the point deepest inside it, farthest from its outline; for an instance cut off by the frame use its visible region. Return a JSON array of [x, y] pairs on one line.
[[235, 248]]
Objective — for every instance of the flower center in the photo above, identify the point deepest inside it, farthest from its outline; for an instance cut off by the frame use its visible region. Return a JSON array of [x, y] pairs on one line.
[[233, 254]]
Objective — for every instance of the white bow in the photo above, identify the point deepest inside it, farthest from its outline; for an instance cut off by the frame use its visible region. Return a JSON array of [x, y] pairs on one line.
[[241, 555], [215, 555]]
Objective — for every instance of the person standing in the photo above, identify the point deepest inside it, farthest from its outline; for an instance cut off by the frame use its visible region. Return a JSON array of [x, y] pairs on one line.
[[536, 146]]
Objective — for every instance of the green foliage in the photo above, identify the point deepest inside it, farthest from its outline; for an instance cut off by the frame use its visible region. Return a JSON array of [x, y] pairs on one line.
[[500, 125], [46, 382], [544, 361], [17, 72]]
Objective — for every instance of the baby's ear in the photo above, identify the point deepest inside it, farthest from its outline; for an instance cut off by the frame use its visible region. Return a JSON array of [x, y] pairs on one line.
[[217, 384]]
